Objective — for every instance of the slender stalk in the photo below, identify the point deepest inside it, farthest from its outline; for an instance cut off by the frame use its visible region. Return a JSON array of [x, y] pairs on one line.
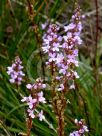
[[29, 126], [61, 109], [30, 8], [58, 105], [38, 37], [36, 30], [96, 47], [12, 12], [85, 109], [96, 38], [84, 104], [60, 125], [97, 33]]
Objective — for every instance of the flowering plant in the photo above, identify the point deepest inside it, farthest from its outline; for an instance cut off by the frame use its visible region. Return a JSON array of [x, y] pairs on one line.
[[61, 52]]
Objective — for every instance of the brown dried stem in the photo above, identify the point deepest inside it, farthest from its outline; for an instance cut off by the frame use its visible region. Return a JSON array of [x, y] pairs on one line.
[[38, 37], [59, 104], [36, 30], [29, 126]]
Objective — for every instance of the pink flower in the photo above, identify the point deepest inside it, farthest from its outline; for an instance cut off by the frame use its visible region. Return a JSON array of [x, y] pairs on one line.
[[46, 48], [43, 86], [74, 133], [24, 99], [63, 69], [31, 102], [72, 86], [68, 36], [37, 85], [35, 97], [59, 58], [15, 71], [41, 116], [41, 98], [69, 27], [44, 25], [29, 86], [52, 57], [75, 74], [31, 113], [85, 128], [82, 129], [61, 87]]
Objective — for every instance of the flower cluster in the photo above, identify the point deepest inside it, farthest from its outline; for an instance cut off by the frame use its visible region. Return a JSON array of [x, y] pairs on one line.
[[37, 86], [35, 98], [51, 43], [71, 40], [62, 50], [15, 71], [82, 128]]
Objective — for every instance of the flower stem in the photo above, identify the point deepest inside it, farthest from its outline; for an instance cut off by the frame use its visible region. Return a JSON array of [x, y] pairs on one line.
[[29, 126], [61, 121]]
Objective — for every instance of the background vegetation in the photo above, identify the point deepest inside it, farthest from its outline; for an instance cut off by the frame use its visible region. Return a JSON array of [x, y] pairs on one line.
[[19, 35]]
